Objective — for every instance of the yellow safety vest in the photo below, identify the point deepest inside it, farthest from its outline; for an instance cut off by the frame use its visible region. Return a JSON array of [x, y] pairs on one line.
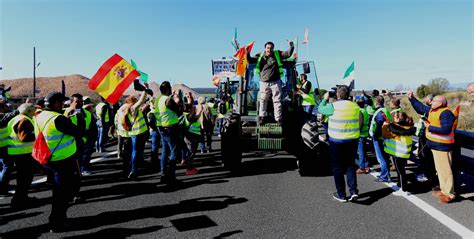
[[64, 145], [373, 123], [138, 124], [167, 117], [88, 120], [308, 99], [399, 147], [194, 127], [15, 145], [433, 118], [213, 110], [98, 110], [364, 132], [344, 122], [4, 136]]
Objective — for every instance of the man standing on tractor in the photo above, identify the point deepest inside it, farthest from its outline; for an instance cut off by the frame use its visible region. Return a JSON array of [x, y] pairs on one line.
[[269, 68]]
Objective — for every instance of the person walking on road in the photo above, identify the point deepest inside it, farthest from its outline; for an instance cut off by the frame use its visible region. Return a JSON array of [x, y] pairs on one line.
[[364, 133], [345, 122], [381, 115], [269, 68], [20, 145], [206, 120], [440, 126], [6, 163], [102, 112], [60, 133]]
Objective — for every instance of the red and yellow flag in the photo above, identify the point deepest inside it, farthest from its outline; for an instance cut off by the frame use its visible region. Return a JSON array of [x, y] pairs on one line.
[[113, 78], [242, 55]]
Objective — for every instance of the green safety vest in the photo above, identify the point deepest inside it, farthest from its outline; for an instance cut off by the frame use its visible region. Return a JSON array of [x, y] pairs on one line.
[[88, 120], [371, 108], [194, 128], [400, 147], [64, 145], [120, 130], [373, 123], [98, 111], [4, 136], [219, 115], [277, 57], [213, 110], [15, 145], [344, 122], [308, 99], [364, 132], [164, 116], [138, 124]]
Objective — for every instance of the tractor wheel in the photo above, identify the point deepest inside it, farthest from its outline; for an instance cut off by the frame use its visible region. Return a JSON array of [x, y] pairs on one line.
[[230, 143]]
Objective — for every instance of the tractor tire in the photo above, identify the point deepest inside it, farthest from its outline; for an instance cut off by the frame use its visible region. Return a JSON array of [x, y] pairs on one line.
[[230, 143]]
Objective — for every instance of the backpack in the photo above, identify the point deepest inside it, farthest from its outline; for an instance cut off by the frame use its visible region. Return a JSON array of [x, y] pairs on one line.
[[222, 109], [41, 152]]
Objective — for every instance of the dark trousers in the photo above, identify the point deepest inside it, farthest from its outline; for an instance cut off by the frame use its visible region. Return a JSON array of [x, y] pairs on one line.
[[427, 162], [126, 155], [400, 164], [343, 156], [65, 184], [86, 157], [25, 170]]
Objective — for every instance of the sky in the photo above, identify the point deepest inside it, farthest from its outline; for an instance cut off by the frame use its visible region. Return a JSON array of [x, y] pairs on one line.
[[392, 43]]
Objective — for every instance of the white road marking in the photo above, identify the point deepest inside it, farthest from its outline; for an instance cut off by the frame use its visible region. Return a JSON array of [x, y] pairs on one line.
[[435, 213]]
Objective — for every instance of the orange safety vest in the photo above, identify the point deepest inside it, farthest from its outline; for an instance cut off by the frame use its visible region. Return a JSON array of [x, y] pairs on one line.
[[433, 118]]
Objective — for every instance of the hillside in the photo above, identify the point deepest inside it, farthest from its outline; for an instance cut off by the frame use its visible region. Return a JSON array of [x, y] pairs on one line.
[[23, 87]]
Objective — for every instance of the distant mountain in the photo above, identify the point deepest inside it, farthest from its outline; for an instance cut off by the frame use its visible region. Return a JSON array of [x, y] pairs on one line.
[[462, 85], [205, 90]]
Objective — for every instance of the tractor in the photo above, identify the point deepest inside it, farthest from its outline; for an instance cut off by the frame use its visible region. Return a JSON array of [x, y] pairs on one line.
[[242, 131]]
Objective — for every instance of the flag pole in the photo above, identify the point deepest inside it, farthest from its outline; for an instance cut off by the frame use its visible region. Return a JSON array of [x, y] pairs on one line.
[[307, 51]]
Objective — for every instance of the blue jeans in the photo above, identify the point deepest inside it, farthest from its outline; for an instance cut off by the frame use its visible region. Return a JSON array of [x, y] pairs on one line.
[[361, 150], [169, 142], [343, 155], [138, 146], [102, 135], [382, 159], [155, 145], [308, 108], [86, 157], [220, 121], [6, 167]]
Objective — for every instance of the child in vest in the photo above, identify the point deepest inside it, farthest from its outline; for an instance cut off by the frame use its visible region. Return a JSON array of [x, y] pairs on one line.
[[398, 144]]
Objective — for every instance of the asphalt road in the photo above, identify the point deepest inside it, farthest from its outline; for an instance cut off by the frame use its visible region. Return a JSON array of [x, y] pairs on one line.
[[268, 199]]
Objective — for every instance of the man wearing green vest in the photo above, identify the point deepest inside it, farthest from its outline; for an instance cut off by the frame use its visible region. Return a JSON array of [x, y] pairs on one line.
[[269, 68], [364, 133], [20, 145], [381, 115], [6, 164], [102, 112], [75, 112], [345, 122], [60, 133], [192, 136], [166, 110], [307, 94], [91, 136]]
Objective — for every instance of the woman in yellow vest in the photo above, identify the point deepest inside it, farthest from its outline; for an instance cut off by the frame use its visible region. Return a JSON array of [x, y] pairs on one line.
[[397, 143], [137, 132], [20, 145], [192, 136], [60, 133]]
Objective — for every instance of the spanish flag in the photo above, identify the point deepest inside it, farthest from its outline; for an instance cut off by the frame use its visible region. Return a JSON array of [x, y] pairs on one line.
[[113, 78], [242, 55]]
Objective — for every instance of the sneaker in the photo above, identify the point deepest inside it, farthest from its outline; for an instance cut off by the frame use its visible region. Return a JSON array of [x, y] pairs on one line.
[[86, 173], [132, 175], [421, 178], [401, 193], [367, 169], [381, 180], [353, 198], [359, 171], [192, 171], [445, 199], [219, 135], [183, 162], [437, 194], [339, 198]]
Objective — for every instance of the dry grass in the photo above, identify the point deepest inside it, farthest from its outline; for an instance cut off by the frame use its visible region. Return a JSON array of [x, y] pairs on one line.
[[455, 98]]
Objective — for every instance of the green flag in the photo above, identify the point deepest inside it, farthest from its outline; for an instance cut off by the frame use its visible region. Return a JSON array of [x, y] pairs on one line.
[[143, 75], [349, 77]]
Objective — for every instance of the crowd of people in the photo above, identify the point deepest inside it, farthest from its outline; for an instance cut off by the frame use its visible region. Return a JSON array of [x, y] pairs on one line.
[[73, 128], [356, 123]]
